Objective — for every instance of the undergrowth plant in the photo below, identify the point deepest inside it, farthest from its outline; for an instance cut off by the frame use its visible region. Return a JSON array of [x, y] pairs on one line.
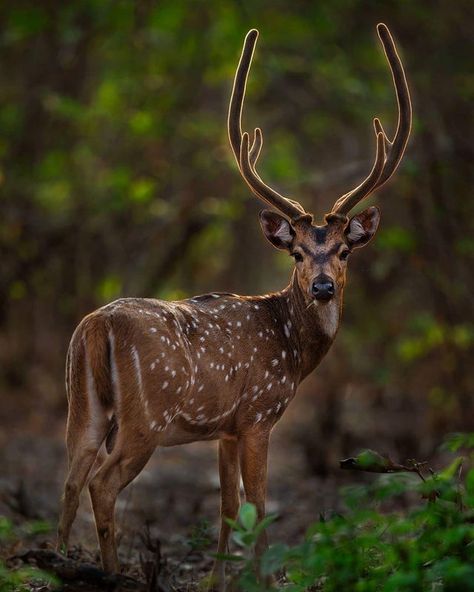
[[369, 548], [16, 580]]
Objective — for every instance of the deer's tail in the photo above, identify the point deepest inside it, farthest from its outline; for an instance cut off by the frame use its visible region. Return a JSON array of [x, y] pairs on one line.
[[89, 383], [90, 402]]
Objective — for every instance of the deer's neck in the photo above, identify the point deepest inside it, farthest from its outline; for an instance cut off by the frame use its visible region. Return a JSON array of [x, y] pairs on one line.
[[310, 327]]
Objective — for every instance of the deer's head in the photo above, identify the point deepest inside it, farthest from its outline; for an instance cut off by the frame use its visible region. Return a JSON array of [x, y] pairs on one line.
[[320, 251]]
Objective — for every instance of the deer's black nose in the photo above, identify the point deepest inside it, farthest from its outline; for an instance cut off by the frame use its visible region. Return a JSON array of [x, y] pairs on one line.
[[323, 289]]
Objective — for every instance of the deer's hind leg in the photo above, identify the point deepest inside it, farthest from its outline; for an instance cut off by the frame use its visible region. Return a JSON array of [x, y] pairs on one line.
[[128, 457], [87, 426]]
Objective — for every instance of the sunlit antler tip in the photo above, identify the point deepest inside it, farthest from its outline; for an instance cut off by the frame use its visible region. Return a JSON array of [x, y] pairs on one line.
[[384, 33], [252, 34]]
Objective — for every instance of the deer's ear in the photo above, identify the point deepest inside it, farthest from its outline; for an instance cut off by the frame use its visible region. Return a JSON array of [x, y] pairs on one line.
[[277, 229], [362, 227]]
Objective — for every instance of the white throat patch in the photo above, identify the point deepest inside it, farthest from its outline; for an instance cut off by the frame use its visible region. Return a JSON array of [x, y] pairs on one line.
[[329, 317]]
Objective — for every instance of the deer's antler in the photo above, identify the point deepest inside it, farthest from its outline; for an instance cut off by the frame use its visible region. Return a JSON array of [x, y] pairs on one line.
[[247, 157], [389, 152]]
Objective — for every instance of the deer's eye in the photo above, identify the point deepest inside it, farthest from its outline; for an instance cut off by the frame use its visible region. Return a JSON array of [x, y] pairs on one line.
[[344, 255], [297, 257]]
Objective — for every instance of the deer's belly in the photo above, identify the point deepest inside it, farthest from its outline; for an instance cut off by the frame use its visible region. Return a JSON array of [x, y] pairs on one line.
[[180, 432]]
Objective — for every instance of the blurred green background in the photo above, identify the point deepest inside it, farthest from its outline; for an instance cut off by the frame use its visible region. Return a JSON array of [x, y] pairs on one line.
[[116, 179]]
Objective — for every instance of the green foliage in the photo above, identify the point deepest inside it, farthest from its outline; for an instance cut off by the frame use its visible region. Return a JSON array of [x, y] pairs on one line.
[[429, 546], [397, 239], [427, 336], [38, 527], [200, 537], [14, 580], [455, 442], [6, 528], [117, 179], [33, 527]]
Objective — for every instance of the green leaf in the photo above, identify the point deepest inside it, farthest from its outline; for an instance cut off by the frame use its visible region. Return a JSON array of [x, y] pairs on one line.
[[451, 471], [248, 516], [264, 523], [458, 440], [232, 523], [244, 538]]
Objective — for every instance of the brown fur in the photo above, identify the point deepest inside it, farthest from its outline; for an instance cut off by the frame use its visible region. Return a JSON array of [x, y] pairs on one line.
[[144, 373]]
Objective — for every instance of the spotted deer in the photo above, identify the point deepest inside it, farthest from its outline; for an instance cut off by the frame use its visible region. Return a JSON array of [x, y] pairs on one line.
[[143, 373]]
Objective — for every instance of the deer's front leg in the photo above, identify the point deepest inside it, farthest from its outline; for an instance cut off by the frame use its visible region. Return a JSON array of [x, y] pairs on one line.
[[253, 451], [230, 500]]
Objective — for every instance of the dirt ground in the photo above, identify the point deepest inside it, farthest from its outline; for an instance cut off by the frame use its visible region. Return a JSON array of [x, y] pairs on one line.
[[175, 495]]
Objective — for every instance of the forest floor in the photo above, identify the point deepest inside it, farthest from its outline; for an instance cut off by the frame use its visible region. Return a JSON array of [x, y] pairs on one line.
[[173, 505]]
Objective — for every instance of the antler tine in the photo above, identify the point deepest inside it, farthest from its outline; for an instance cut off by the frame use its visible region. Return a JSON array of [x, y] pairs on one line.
[[246, 158], [256, 146], [262, 190], [234, 120], [389, 152], [348, 201], [400, 140]]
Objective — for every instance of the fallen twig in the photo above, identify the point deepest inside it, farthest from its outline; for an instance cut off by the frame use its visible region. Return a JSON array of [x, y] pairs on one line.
[[373, 462]]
